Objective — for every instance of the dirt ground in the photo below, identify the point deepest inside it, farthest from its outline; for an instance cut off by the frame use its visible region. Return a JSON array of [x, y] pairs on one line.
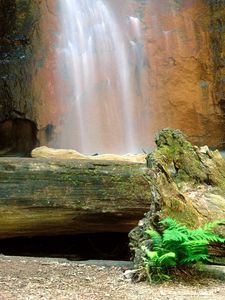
[[39, 278]]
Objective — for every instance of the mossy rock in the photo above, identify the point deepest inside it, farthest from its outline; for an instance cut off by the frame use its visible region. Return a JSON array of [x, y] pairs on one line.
[[184, 162]]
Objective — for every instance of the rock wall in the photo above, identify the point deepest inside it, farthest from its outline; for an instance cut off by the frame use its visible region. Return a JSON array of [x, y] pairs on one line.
[[217, 42], [18, 38], [182, 75]]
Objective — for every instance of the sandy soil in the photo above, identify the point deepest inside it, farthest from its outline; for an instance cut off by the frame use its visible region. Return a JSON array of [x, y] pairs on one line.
[[37, 278]]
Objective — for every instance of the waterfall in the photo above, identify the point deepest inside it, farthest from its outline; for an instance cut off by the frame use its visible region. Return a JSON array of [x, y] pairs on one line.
[[97, 78]]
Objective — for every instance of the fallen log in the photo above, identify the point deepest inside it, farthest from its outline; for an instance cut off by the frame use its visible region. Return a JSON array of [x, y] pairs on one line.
[[57, 196], [51, 196]]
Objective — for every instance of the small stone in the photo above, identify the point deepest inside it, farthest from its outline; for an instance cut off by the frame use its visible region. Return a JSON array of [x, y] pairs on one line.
[[141, 223], [129, 274], [204, 149]]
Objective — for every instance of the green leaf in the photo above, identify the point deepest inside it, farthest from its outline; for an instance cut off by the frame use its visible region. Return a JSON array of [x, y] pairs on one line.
[[194, 258], [174, 235], [152, 255], [156, 238], [168, 259]]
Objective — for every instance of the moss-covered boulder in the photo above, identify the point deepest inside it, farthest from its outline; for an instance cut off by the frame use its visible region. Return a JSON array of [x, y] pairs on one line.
[[184, 162]]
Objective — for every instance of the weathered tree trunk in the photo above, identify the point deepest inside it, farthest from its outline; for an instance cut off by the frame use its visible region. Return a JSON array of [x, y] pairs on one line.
[[187, 183], [52, 197]]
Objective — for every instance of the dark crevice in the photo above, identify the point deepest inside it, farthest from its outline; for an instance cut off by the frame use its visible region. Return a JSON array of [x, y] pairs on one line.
[[17, 137], [7, 16], [107, 246]]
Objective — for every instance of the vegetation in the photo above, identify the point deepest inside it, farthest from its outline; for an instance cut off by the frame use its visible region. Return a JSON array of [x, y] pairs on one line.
[[177, 246]]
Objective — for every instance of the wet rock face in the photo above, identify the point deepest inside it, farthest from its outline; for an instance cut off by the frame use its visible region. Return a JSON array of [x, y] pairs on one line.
[[182, 74], [17, 33], [217, 38], [17, 22], [182, 70], [7, 11]]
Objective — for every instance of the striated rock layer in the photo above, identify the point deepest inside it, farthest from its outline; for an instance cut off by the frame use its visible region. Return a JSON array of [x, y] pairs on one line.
[[180, 80]]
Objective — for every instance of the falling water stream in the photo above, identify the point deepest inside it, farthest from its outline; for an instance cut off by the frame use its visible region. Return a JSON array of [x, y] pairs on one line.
[[98, 77]]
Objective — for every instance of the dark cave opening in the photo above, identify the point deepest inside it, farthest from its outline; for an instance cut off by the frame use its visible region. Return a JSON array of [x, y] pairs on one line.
[[17, 137], [94, 246]]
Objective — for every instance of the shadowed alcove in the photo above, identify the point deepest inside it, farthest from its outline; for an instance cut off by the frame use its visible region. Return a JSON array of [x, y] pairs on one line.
[[17, 137]]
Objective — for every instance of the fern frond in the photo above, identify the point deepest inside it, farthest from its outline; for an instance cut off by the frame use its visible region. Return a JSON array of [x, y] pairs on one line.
[[192, 246], [172, 224], [151, 255], [156, 238], [178, 245], [195, 251], [154, 260], [168, 259], [171, 235], [194, 258], [211, 237], [211, 225], [201, 234], [195, 243]]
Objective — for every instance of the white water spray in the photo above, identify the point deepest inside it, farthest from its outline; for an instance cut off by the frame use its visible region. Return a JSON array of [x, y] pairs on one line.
[[96, 84]]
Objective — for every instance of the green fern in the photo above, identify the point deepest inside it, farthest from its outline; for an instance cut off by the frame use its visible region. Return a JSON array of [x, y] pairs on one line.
[[178, 245], [156, 265], [189, 244], [194, 251], [154, 259], [194, 258]]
